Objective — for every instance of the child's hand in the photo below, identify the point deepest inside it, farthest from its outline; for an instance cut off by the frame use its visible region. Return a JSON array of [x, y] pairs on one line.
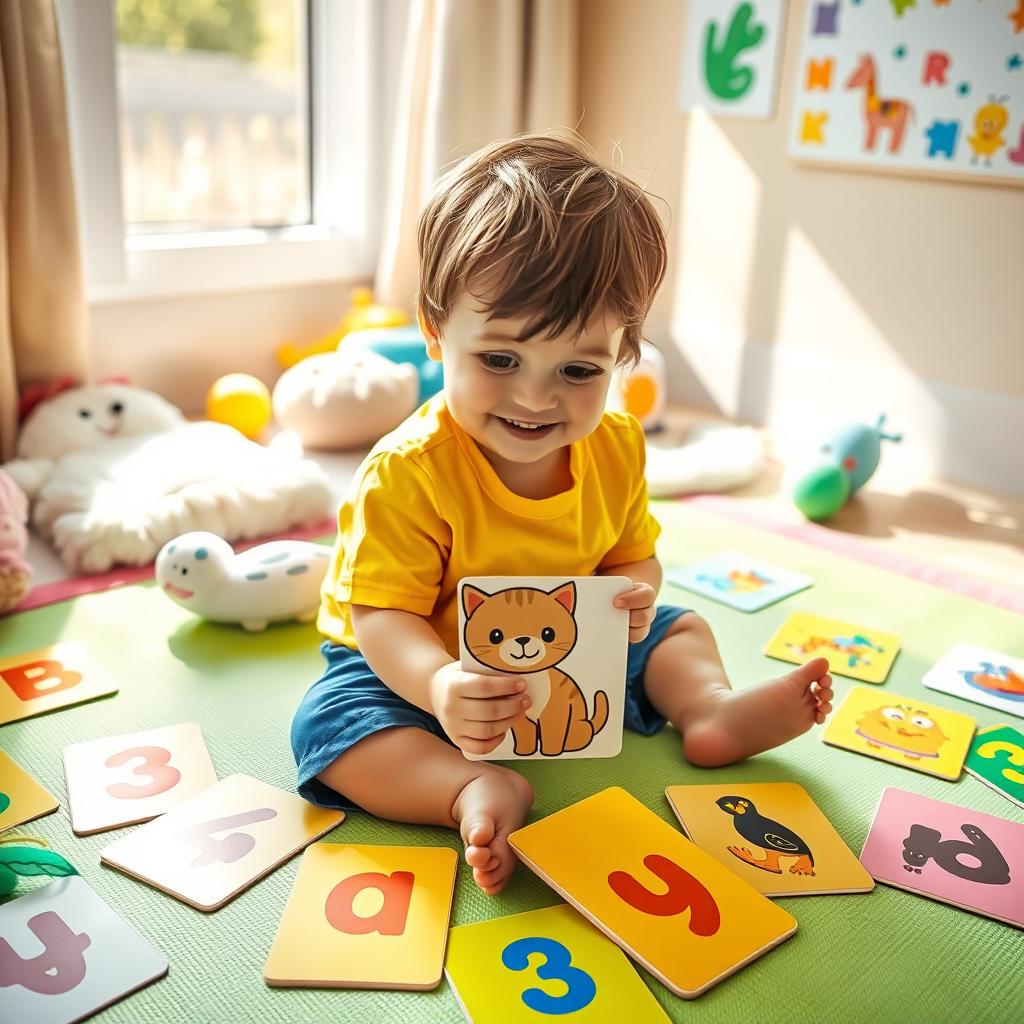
[[476, 710], [639, 599]]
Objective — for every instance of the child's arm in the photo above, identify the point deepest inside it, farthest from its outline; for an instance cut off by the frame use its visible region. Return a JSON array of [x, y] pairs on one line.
[[407, 655], [640, 598]]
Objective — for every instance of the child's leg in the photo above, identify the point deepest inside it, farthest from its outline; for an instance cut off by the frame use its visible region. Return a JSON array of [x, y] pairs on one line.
[[409, 774], [686, 682]]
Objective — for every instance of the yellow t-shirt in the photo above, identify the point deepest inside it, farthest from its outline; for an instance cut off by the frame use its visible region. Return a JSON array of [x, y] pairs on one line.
[[426, 509]]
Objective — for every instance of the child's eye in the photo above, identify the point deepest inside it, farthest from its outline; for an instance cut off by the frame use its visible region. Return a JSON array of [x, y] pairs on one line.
[[499, 361], [580, 373]]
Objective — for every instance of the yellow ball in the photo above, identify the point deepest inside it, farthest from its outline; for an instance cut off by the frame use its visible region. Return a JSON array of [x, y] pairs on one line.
[[241, 401]]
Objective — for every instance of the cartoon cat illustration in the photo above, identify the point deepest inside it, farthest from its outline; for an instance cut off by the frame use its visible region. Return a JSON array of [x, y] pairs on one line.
[[528, 631]]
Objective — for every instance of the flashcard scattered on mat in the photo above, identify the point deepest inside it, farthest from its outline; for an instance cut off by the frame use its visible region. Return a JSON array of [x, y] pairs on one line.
[[740, 581], [851, 651], [50, 678], [365, 917], [901, 731], [127, 779], [950, 853], [612, 858], [208, 849], [490, 972], [996, 758], [569, 642], [981, 675], [64, 954], [21, 797], [771, 834]]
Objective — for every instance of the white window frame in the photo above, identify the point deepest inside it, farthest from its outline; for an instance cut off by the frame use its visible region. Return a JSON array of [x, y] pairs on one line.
[[352, 60]]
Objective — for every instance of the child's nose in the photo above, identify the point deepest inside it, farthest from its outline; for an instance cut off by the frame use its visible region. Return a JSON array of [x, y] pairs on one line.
[[534, 395]]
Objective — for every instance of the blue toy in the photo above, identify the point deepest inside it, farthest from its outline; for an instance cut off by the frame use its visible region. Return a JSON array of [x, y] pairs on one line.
[[847, 460], [402, 345]]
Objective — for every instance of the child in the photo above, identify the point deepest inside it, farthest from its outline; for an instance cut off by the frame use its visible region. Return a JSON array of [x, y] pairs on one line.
[[538, 268]]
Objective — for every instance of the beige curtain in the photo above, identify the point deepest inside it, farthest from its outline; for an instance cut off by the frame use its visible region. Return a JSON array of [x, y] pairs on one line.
[[473, 71], [42, 294]]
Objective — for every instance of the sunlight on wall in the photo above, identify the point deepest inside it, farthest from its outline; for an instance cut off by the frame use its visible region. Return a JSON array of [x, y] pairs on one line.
[[716, 227]]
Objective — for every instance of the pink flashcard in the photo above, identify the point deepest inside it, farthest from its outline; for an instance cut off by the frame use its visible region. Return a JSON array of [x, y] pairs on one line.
[[949, 853]]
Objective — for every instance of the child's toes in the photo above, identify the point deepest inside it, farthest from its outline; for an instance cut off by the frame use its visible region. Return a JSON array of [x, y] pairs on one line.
[[478, 857]]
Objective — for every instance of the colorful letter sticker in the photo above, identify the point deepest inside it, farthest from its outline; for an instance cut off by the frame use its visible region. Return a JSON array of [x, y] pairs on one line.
[[64, 954], [50, 678], [21, 797], [210, 848], [127, 779], [853, 651], [997, 758], [545, 964], [771, 834], [365, 917], [949, 853], [901, 731], [669, 905]]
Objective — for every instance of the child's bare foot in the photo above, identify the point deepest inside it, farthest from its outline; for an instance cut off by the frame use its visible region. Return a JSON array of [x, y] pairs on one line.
[[491, 806], [735, 724]]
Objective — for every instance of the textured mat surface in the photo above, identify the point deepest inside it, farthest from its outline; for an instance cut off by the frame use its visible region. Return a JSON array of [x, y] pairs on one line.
[[886, 956]]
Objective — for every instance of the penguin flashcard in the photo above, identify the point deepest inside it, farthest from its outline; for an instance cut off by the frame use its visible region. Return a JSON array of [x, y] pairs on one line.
[[772, 834]]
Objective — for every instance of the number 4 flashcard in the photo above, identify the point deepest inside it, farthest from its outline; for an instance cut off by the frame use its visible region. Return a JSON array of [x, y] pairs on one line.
[[210, 848], [64, 954], [948, 853], [575, 969], [127, 779]]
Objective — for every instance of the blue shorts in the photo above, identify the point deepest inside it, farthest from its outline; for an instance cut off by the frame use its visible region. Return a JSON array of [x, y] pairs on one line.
[[348, 703]]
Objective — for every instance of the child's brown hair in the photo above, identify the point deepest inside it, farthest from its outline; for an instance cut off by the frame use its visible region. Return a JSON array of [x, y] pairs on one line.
[[546, 230]]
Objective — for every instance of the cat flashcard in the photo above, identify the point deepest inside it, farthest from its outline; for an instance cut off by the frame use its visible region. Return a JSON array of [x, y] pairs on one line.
[[996, 758], [65, 954], [771, 834], [216, 844], [980, 675], [21, 797], [366, 917], [902, 731], [672, 907], [131, 778], [953, 854], [739, 581], [565, 637], [490, 970], [50, 678], [852, 651]]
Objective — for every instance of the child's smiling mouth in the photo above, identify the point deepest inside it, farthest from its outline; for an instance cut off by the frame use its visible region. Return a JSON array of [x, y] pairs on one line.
[[524, 428]]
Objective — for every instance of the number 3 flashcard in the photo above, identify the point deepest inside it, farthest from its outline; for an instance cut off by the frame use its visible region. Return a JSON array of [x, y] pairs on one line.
[[127, 779], [212, 847]]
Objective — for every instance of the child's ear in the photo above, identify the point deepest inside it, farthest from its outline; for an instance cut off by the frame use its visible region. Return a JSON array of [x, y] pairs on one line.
[[429, 336]]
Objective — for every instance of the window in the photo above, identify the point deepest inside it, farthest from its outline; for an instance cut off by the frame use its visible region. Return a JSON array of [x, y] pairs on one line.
[[238, 147]]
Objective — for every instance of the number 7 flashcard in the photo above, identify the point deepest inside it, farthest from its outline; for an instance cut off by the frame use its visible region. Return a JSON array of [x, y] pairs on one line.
[[127, 779], [566, 638], [210, 848]]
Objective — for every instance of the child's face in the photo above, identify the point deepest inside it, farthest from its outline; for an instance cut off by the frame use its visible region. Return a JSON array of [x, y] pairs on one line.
[[523, 401]]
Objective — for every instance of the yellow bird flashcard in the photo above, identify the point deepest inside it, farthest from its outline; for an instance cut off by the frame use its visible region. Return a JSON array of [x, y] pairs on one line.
[[853, 651]]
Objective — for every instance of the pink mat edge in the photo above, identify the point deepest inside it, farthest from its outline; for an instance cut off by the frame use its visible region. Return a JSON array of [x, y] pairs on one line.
[[76, 586]]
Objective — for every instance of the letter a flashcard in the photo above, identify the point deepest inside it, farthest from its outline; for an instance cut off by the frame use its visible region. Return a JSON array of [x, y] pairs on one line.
[[577, 970], [49, 678], [21, 797], [127, 779], [613, 858], [948, 853], [365, 917], [210, 848], [64, 954]]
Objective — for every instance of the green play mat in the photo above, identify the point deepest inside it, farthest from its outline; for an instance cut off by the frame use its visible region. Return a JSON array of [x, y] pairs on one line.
[[886, 956]]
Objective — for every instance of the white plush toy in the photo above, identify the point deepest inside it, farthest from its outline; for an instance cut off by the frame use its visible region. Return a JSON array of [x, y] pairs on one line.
[[268, 583], [113, 472]]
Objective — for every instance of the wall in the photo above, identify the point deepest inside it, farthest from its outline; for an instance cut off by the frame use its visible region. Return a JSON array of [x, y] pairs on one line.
[[797, 296]]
